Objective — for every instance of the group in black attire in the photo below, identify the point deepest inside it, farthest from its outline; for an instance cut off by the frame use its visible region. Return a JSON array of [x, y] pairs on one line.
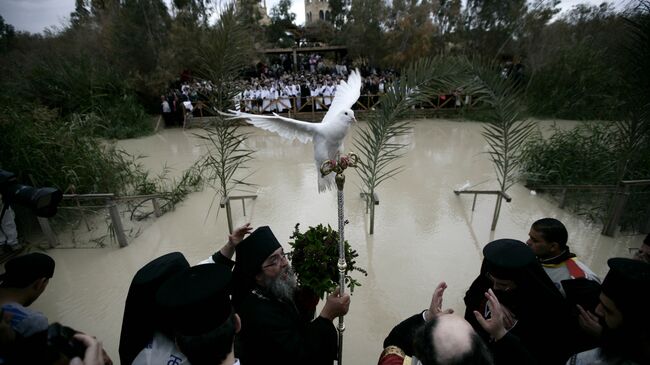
[[210, 314]]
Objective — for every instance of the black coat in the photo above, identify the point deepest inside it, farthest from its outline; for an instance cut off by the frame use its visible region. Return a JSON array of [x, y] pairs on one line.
[[273, 332], [507, 351], [544, 324]]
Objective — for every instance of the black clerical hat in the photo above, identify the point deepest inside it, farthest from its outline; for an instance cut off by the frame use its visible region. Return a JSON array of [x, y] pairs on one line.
[[197, 299], [141, 316], [254, 249], [23, 270], [627, 284], [505, 258]]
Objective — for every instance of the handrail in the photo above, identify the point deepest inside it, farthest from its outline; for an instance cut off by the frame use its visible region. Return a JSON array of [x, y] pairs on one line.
[[497, 208], [111, 205], [571, 187], [620, 192]]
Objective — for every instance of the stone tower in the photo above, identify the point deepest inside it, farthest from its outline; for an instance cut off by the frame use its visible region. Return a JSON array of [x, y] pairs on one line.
[[315, 10]]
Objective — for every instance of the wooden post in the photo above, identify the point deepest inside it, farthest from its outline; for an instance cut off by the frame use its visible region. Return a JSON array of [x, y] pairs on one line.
[[156, 207], [225, 203], [371, 201], [497, 210], [48, 232], [117, 223], [372, 216], [563, 200], [616, 211]]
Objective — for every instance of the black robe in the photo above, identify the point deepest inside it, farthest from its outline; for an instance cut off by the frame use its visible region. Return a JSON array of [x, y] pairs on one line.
[[275, 332], [508, 350], [544, 325]]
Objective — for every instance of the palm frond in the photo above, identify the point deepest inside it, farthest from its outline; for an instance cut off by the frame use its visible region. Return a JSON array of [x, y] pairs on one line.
[[505, 129], [376, 142]]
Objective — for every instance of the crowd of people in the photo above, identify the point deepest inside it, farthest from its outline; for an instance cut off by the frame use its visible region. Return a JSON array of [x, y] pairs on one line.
[[264, 93], [277, 90], [531, 303]]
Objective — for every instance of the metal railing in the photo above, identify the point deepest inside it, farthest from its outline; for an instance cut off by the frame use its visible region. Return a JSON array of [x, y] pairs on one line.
[[621, 193], [314, 105], [110, 203], [497, 208]]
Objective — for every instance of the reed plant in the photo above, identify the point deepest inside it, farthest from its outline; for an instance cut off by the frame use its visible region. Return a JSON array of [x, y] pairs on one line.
[[221, 57], [227, 154]]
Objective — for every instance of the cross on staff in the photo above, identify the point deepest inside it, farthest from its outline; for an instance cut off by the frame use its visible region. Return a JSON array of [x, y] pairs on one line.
[[337, 166]]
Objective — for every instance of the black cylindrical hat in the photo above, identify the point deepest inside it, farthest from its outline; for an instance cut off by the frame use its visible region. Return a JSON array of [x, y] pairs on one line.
[[196, 300], [505, 258], [254, 249], [627, 284]]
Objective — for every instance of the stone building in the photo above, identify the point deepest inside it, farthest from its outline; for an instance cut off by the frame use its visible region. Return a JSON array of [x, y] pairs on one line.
[[316, 10]]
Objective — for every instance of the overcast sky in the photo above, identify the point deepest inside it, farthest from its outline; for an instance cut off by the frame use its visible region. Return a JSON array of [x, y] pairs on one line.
[[36, 15]]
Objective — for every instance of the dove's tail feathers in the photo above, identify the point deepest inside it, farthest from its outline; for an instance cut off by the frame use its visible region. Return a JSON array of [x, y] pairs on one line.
[[326, 183]]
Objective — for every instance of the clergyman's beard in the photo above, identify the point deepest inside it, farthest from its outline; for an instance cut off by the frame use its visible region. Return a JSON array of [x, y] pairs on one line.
[[282, 287]]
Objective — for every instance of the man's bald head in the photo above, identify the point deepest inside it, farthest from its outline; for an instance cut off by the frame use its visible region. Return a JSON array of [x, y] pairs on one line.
[[449, 340]]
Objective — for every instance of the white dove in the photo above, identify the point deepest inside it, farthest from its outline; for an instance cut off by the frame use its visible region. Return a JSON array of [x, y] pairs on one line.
[[328, 135]]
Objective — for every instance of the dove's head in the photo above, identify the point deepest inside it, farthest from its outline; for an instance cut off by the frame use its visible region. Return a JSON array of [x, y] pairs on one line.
[[347, 116]]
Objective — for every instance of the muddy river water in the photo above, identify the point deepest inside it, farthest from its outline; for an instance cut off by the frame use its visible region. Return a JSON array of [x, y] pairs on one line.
[[423, 232]]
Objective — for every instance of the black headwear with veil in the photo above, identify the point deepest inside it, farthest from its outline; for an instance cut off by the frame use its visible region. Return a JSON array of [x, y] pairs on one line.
[[142, 317], [541, 312], [251, 253]]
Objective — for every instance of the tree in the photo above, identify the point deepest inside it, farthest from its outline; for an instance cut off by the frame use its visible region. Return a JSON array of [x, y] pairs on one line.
[[7, 36], [279, 32], [411, 32], [81, 13], [490, 24], [139, 34], [363, 32], [339, 10]]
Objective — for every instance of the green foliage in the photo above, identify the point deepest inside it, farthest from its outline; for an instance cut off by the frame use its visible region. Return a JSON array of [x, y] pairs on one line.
[[582, 155], [363, 33], [375, 143], [61, 153], [227, 154], [315, 258], [580, 84], [589, 154], [7, 36]]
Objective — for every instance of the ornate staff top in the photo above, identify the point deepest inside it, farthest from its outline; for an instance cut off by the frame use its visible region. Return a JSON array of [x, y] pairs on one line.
[[345, 161]]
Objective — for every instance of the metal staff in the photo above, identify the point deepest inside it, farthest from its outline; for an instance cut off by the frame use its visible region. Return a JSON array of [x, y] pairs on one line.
[[338, 167]]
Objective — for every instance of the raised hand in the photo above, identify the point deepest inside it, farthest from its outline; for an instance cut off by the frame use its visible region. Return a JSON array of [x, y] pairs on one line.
[[589, 322], [495, 325], [239, 233], [435, 308], [228, 250]]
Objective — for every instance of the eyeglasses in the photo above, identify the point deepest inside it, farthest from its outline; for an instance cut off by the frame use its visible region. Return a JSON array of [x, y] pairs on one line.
[[275, 260]]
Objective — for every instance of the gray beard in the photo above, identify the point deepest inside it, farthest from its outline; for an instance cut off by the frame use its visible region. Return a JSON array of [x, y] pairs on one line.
[[282, 288]]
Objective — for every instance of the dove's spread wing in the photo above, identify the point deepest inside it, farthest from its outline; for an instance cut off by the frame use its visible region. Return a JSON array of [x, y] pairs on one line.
[[286, 127], [347, 93]]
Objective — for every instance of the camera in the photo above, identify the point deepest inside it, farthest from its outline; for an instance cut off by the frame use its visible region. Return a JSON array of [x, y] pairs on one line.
[[42, 201], [61, 338]]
